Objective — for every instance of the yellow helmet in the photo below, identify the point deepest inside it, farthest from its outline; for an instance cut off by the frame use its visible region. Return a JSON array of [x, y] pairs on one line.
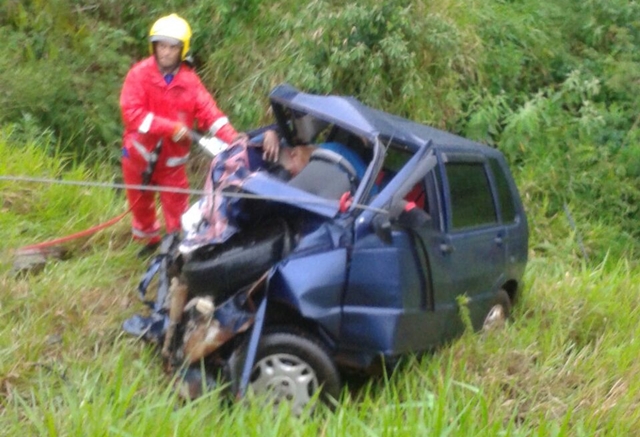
[[171, 28]]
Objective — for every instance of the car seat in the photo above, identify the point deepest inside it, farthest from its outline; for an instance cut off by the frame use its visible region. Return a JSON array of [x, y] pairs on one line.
[[328, 175]]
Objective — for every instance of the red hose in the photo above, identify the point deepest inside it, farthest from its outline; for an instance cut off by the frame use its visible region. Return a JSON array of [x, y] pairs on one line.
[[80, 234]]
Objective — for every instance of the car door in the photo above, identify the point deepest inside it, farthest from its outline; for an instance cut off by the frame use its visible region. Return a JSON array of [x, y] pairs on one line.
[[388, 300], [470, 242], [514, 219]]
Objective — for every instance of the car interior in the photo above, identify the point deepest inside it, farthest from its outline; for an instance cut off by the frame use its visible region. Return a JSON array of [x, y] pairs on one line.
[[327, 175]]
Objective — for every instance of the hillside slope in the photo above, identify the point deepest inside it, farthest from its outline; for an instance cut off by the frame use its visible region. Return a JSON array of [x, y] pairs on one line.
[[555, 85]]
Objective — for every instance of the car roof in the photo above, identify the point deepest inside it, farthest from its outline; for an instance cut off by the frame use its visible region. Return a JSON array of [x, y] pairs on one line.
[[351, 114]]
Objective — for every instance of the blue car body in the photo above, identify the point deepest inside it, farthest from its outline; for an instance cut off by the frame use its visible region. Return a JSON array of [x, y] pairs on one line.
[[435, 221], [369, 297]]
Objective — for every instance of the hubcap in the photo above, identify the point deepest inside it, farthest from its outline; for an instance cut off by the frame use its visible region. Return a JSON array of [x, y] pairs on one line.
[[285, 377], [496, 318]]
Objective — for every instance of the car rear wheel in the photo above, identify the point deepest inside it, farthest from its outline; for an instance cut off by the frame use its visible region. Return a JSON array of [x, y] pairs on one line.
[[499, 312], [290, 368]]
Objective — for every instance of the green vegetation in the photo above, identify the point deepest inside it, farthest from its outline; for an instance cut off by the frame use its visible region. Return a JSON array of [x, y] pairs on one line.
[[555, 85]]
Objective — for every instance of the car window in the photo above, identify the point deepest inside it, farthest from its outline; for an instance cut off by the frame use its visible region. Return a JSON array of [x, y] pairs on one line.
[[396, 158], [471, 199], [507, 205]]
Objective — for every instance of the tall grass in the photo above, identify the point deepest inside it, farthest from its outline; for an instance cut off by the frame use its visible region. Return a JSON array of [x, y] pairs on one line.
[[33, 212], [553, 84], [564, 366]]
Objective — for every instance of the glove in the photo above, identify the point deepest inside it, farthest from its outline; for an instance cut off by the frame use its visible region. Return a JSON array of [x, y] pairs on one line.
[[180, 133], [242, 136], [212, 145]]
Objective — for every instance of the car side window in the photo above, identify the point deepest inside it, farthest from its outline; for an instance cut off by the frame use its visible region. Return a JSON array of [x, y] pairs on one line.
[[507, 204], [471, 199], [394, 161]]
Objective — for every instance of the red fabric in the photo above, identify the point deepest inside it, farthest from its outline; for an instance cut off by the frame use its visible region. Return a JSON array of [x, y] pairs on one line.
[[409, 206], [185, 100], [416, 195], [143, 203], [345, 201]]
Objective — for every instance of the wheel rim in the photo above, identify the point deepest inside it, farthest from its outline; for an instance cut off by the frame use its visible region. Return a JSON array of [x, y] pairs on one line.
[[285, 377], [496, 317]]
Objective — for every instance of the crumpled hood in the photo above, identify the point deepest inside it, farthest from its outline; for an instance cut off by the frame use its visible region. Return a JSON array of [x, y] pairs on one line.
[[258, 185]]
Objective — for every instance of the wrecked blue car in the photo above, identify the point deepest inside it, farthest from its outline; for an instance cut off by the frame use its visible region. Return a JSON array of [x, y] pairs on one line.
[[338, 269]]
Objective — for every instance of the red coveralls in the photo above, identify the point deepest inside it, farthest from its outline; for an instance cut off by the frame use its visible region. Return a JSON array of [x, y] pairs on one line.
[[151, 111]]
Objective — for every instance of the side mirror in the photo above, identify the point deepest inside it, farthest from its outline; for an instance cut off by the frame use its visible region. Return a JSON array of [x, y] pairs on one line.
[[414, 218], [382, 228], [408, 214]]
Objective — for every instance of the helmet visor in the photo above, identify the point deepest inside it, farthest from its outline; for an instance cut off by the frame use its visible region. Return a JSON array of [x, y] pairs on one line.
[[167, 39]]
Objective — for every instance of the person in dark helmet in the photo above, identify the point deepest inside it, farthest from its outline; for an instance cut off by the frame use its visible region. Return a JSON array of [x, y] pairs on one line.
[[162, 99]]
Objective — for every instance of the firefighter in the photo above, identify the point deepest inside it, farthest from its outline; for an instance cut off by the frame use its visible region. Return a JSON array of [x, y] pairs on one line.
[[162, 99]]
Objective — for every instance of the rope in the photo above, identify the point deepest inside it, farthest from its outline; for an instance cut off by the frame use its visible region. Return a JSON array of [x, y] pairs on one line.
[[93, 230], [180, 190], [101, 185]]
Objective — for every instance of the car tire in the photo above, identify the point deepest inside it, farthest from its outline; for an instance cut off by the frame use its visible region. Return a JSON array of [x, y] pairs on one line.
[[289, 367], [499, 312]]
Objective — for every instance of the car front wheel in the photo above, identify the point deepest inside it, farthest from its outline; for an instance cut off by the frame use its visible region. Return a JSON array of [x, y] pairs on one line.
[[289, 368]]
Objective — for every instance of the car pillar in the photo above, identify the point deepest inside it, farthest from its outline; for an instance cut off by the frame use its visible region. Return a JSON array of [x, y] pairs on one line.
[[252, 348]]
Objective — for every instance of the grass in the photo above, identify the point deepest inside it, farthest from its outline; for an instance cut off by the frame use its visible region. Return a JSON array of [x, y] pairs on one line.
[[566, 364], [553, 84]]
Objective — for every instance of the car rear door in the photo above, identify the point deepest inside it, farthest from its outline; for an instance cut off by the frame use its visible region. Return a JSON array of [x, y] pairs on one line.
[[471, 240]]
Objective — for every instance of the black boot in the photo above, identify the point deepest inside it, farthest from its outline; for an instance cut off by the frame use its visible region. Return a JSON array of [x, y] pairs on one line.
[[148, 250]]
